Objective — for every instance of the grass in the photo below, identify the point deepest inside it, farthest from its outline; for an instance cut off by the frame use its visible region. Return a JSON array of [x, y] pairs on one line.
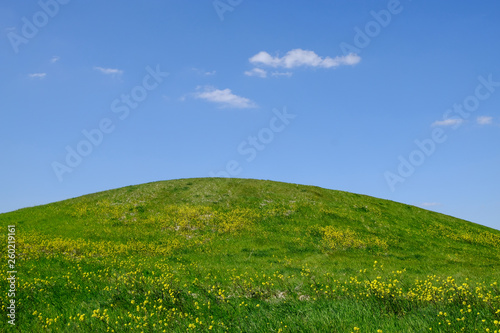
[[236, 255]]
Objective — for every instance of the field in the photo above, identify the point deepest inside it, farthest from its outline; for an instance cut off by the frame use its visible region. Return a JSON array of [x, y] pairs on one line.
[[236, 255]]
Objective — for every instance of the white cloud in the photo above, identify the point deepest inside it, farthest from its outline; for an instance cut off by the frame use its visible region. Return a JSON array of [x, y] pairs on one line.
[[430, 204], [299, 57], [37, 75], [225, 98], [54, 59], [109, 71], [287, 74], [203, 72], [484, 120], [256, 72], [448, 122]]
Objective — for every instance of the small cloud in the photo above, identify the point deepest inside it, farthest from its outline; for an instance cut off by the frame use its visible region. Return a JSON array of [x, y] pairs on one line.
[[484, 120], [287, 74], [10, 29], [225, 98], [299, 57], [256, 72], [54, 59], [430, 204], [203, 72], [37, 75], [448, 122], [109, 71]]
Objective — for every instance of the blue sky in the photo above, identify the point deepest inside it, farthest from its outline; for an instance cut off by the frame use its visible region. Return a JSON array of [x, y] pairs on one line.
[[394, 99]]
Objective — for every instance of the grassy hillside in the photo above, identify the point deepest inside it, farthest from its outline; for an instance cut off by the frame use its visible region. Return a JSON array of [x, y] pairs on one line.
[[237, 255]]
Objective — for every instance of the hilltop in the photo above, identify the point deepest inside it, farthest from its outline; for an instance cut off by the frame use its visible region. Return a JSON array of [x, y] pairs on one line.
[[198, 254]]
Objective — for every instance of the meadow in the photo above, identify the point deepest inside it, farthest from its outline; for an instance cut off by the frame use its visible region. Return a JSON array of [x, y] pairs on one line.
[[241, 255]]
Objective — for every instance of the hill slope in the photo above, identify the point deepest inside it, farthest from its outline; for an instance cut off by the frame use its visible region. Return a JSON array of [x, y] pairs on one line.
[[216, 254]]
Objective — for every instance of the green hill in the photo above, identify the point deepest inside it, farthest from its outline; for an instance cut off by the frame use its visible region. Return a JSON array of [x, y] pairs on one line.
[[241, 255]]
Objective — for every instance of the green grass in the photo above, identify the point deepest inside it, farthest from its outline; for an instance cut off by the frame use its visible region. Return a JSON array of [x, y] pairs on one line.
[[241, 255]]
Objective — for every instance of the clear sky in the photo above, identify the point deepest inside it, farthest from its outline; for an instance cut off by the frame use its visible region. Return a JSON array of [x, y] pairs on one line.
[[394, 99]]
